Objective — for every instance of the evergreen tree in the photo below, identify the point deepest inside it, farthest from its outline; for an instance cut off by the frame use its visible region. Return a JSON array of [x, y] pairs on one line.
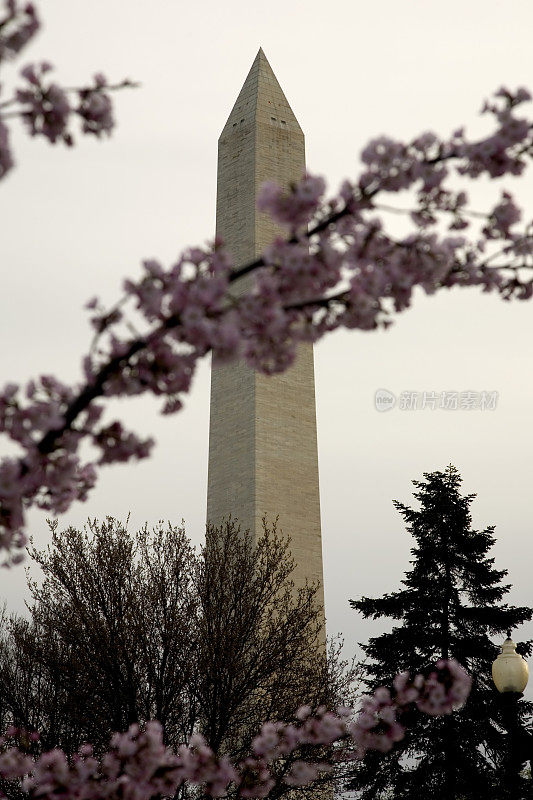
[[450, 607]]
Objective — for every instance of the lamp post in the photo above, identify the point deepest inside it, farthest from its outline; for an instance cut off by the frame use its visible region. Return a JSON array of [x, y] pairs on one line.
[[510, 675]]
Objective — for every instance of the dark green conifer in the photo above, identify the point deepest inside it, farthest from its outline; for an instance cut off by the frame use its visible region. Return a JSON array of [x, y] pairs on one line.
[[450, 607]]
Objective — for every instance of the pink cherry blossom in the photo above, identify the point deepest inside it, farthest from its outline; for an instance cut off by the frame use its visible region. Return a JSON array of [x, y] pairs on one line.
[[445, 689], [18, 27], [96, 109], [45, 108], [503, 216], [293, 208], [138, 766], [301, 773]]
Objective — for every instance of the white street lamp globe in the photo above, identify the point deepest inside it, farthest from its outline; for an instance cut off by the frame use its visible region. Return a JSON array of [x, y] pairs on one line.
[[510, 672]]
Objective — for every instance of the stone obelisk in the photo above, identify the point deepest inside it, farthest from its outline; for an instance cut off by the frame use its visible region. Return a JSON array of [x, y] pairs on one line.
[[262, 439]]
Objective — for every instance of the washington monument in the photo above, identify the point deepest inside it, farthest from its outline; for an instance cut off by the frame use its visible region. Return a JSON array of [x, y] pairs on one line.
[[262, 440]]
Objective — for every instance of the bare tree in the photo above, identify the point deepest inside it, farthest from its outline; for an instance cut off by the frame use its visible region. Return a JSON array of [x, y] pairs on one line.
[[130, 627]]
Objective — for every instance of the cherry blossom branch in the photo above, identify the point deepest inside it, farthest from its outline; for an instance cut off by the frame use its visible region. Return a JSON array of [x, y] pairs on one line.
[[46, 110], [43, 105], [326, 223], [139, 766], [336, 267], [127, 83]]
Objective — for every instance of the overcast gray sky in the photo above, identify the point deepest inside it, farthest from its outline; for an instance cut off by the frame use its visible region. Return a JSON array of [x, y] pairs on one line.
[[76, 223]]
